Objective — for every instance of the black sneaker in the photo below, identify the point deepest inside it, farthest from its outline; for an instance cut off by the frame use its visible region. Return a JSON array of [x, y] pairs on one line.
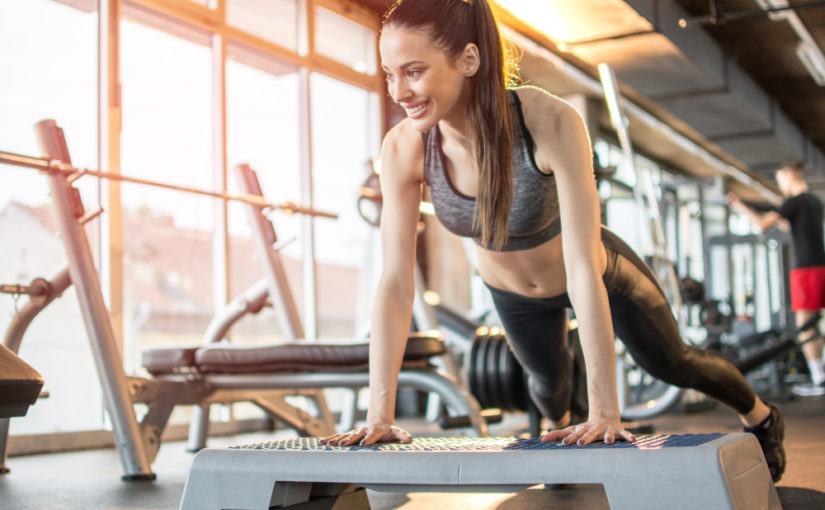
[[770, 434]]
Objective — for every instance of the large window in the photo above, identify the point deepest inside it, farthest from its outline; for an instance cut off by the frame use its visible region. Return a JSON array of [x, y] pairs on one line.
[[344, 145], [275, 21], [48, 73], [167, 137], [345, 41], [262, 119]]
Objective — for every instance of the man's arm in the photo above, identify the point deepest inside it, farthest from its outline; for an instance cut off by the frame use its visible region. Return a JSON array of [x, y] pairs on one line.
[[762, 220]]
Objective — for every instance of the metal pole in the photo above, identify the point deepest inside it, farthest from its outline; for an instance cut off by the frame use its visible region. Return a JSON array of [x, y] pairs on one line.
[[279, 289], [116, 391], [308, 268], [774, 322], [707, 269]]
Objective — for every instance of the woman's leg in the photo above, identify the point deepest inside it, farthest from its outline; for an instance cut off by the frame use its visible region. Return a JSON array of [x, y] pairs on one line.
[[643, 320], [537, 333]]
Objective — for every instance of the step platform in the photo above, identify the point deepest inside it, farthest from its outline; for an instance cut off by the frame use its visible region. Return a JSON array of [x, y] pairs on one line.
[[692, 471]]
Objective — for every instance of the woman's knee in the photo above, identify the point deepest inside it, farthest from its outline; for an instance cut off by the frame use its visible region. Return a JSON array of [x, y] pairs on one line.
[[552, 399], [678, 367]]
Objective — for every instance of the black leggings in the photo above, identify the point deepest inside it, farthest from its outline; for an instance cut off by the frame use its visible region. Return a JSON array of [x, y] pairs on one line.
[[537, 331]]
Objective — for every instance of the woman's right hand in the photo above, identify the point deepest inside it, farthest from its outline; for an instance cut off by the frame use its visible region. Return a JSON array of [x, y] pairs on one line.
[[369, 435]]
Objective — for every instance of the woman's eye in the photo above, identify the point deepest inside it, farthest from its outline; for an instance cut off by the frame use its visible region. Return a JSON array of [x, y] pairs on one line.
[[414, 73]]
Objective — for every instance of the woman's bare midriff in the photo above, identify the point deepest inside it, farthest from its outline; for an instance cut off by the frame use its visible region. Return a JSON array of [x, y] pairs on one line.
[[537, 272]]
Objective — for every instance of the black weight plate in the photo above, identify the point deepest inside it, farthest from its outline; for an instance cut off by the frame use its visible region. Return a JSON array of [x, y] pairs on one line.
[[502, 375], [480, 367], [493, 382], [469, 366]]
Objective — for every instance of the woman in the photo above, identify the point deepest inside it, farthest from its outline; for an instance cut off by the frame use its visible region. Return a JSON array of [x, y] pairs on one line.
[[513, 169]]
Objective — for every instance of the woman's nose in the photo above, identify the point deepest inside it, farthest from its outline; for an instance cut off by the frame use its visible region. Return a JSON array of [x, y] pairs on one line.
[[399, 90]]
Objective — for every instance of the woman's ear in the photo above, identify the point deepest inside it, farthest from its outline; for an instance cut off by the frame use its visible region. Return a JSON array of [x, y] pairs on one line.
[[469, 61]]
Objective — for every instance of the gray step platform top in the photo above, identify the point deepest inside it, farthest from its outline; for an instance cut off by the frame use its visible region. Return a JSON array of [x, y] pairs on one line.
[[481, 444]]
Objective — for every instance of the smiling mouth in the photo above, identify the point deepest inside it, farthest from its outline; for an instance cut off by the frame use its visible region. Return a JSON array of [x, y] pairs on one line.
[[417, 108]]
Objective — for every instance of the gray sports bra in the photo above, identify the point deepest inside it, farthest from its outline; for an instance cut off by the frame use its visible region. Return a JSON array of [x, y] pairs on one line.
[[534, 213]]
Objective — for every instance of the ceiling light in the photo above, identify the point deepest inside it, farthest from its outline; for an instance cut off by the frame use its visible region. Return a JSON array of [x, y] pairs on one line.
[[767, 5], [813, 61]]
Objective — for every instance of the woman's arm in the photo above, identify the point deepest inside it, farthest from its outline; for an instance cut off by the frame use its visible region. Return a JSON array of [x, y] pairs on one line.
[[401, 178], [563, 147]]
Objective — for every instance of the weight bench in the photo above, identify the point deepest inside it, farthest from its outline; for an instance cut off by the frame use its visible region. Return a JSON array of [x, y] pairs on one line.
[[211, 373], [694, 471], [298, 367], [302, 369]]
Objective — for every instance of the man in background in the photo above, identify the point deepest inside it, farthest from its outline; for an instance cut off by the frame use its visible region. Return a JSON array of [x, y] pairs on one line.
[[803, 210]]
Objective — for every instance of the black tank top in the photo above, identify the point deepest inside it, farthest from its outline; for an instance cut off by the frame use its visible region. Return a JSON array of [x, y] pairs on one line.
[[534, 213], [804, 212]]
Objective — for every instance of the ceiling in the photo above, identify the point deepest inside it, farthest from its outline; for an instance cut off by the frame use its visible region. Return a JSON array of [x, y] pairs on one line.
[[766, 50], [734, 87]]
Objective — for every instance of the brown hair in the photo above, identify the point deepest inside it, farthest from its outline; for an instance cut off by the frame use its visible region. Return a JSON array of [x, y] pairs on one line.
[[795, 167], [451, 25]]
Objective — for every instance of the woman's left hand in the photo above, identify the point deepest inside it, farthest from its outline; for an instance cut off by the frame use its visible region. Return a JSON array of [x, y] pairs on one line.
[[593, 430]]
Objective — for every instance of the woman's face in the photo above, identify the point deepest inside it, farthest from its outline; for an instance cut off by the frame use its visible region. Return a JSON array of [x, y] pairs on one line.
[[420, 77]]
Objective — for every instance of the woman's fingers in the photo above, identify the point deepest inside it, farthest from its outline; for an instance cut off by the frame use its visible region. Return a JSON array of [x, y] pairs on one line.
[[577, 436], [373, 436], [567, 435], [627, 436], [353, 437], [366, 436], [344, 439], [589, 432], [556, 435], [333, 439], [593, 434]]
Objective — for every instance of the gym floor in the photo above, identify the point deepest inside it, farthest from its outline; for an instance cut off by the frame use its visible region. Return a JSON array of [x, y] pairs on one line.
[[90, 480]]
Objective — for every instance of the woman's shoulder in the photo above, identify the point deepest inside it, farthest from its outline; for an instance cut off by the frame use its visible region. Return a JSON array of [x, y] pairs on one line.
[[537, 100], [550, 119], [545, 114], [403, 149], [555, 126]]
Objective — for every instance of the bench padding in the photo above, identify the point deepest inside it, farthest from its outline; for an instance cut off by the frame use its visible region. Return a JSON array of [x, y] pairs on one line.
[[295, 357]]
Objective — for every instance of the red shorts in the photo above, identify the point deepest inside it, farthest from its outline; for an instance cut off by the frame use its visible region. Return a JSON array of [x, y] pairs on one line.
[[808, 288]]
